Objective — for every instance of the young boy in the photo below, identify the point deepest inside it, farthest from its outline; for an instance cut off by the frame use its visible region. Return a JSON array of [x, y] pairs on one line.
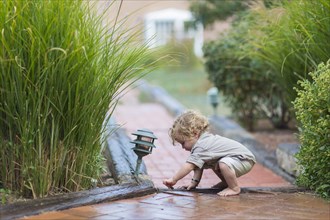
[[227, 158]]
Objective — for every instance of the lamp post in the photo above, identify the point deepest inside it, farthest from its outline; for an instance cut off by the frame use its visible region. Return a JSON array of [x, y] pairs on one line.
[[144, 143], [213, 96]]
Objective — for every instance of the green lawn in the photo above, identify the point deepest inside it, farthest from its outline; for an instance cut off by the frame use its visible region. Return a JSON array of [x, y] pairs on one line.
[[188, 87]]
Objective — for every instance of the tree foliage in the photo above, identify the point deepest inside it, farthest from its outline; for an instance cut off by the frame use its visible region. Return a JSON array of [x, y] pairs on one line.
[[209, 11]]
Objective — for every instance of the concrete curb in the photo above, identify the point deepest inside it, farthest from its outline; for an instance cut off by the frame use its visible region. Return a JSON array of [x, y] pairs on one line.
[[285, 155], [159, 95], [76, 199], [121, 159], [222, 125]]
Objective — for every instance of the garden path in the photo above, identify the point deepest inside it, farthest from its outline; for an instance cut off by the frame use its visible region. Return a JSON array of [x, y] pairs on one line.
[[167, 204]]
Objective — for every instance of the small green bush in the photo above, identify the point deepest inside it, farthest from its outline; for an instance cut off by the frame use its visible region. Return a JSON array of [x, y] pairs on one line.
[[312, 107]]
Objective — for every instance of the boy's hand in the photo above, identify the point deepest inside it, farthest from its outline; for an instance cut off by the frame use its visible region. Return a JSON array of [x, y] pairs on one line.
[[169, 183], [192, 186], [188, 187]]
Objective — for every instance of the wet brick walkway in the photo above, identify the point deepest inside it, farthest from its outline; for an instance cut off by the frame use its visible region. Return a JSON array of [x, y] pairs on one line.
[[166, 159]]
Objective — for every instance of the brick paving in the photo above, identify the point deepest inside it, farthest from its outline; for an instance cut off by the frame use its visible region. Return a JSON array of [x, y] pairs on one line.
[[164, 162]]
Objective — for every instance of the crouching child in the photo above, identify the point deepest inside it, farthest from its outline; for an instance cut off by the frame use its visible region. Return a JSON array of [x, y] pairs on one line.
[[228, 159]]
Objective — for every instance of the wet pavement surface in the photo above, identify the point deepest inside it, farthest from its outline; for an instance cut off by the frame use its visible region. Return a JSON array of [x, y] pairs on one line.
[[168, 204], [202, 206]]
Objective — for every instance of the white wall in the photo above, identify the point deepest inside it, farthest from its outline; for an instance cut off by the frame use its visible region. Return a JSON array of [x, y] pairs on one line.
[[163, 25]]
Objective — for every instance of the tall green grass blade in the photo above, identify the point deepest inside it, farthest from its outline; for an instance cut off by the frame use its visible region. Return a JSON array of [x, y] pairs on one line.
[[61, 69]]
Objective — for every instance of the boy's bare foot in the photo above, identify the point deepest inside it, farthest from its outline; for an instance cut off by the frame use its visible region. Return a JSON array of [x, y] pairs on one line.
[[220, 185], [230, 192]]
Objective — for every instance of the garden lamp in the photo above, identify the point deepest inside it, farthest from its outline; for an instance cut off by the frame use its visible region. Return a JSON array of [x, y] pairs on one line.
[[144, 143], [213, 96]]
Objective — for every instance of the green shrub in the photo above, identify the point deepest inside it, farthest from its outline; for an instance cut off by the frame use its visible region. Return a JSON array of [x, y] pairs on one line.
[[312, 107], [246, 82], [61, 70]]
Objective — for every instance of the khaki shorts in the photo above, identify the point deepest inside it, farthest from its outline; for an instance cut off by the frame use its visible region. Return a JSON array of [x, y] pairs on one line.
[[240, 167]]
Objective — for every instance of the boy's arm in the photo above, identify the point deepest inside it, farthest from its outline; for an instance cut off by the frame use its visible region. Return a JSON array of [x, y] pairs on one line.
[[198, 174], [196, 179], [184, 170]]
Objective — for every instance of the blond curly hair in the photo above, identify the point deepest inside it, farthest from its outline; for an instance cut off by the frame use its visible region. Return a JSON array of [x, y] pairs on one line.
[[187, 125]]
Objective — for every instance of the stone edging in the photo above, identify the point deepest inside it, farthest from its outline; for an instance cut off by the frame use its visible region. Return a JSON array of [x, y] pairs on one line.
[[121, 159], [72, 200], [159, 95]]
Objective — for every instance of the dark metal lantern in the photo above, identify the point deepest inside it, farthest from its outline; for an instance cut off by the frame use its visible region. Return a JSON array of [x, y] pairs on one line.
[[144, 143]]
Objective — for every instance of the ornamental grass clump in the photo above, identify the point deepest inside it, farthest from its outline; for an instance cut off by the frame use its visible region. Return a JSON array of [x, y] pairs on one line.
[[61, 70], [294, 40]]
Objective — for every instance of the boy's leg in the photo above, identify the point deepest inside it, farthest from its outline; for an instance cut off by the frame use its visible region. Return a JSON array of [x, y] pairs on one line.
[[231, 180], [221, 185], [230, 169]]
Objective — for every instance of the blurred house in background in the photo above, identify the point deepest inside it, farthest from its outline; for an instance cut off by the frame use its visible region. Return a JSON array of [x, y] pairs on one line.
[[161, 21], [160, 27]]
